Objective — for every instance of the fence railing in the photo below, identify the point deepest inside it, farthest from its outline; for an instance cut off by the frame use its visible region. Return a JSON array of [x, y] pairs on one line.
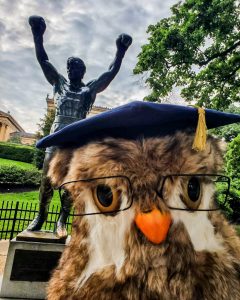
[[15, 216]]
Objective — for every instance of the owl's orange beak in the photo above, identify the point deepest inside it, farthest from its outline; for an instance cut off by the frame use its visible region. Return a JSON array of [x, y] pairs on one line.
[[154, 225]]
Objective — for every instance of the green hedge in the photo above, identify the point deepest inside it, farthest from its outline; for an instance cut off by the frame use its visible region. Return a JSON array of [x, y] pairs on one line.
[[16, 152], [15, 176]]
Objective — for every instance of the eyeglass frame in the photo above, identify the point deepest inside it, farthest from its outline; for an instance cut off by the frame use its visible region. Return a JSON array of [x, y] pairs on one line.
[[159, 193], [195, 175], [92, 179]]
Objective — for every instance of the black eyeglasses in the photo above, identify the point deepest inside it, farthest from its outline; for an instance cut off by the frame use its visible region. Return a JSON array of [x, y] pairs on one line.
[[193, 192], [112, 194]]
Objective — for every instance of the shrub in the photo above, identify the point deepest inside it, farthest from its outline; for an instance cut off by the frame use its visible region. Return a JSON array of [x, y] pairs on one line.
[[38, 158], [220, 196], [233, 171], [16, 152], [233, 158], [14, 176]]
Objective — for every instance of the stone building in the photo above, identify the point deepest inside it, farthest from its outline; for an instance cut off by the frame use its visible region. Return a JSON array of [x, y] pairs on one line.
[[8, 125], [96, 110], [9, 128], [25, 138]]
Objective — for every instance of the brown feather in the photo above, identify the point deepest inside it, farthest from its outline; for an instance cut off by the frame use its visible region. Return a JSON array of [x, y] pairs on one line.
[[169, 271]]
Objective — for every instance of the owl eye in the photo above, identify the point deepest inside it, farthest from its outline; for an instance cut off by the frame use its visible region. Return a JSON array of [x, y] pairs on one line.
[[106, 198], [192, 193], [194, 189]]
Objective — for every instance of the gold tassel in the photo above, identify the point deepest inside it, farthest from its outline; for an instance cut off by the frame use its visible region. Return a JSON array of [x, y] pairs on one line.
[[200, 139]]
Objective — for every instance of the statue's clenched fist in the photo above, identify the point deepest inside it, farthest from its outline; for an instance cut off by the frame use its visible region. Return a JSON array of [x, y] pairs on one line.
[[123, 41], [37, 24]]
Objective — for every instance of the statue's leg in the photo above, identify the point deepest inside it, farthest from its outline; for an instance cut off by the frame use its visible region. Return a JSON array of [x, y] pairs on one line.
[[45, 196], [61, 229]]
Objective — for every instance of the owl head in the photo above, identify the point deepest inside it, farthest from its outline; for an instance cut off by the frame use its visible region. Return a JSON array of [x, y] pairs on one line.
[[146, 225]]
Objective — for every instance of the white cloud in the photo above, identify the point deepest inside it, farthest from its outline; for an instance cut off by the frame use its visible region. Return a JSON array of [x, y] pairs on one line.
[[87, 29]]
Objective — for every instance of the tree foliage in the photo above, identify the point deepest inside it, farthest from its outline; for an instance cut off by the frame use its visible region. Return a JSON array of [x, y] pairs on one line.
[[197, 48], [43, 129], [45, 124], [228, 132]]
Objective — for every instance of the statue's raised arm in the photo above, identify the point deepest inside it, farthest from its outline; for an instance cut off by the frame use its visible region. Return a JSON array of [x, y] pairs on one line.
[[38, 27], [100, 84]]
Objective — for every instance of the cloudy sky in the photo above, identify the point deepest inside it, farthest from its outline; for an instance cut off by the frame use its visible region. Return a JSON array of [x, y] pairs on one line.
[[83, 28]]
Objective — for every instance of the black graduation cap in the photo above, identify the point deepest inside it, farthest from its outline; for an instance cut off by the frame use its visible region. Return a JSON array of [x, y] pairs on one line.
[[137, 119]]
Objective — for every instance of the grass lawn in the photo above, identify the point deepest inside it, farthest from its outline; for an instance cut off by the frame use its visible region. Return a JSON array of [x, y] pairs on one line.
[[19, 164], [27, 197]]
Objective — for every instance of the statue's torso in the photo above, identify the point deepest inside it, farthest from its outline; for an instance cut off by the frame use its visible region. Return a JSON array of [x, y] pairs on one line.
[[71, 105]]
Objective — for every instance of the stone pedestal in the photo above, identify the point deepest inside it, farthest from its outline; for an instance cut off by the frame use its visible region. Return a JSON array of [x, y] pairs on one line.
[[29, 265]]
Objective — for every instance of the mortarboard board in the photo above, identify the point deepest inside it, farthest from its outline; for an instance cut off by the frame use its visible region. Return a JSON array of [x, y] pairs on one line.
[[133, 120]]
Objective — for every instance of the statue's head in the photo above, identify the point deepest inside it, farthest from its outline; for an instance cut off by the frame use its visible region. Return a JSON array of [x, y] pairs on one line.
[[75, 68]]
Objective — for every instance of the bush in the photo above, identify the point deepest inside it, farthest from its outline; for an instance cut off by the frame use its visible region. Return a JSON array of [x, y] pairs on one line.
[[14, 176], [233, 158], [233, 171], [220, 196], [16, 152], [234, 202], [38, 158]]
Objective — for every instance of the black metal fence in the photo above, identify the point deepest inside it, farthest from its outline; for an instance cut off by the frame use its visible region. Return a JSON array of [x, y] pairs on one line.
[[15, 217]]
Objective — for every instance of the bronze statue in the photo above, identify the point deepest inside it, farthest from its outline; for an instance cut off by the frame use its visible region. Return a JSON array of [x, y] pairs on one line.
[[73, 100]]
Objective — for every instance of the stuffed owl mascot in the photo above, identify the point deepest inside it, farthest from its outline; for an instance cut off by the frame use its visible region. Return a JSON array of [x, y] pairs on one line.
[[144, 185]]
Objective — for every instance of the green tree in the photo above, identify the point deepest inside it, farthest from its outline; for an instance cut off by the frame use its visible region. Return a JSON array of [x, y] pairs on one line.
[[197, 49], [43, 129], [45, 124], [228, 132]]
